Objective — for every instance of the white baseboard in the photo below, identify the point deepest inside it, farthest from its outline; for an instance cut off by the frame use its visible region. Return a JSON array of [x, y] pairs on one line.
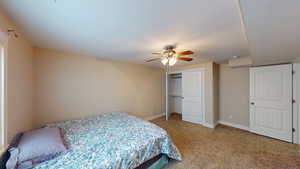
[[234, 125], [155, 116], [208, 125]]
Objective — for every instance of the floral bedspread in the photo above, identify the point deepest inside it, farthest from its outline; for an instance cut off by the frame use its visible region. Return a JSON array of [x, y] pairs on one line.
[[110, 141]]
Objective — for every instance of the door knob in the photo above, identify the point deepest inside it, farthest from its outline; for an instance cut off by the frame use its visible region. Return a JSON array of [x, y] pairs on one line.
[[252, 103]]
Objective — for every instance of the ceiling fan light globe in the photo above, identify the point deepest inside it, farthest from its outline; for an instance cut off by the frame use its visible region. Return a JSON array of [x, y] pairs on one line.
[[172, 61], [164, 61]]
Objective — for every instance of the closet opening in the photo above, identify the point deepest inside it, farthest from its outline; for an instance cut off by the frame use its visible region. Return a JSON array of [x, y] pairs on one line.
[[175, 94], [185, 95]]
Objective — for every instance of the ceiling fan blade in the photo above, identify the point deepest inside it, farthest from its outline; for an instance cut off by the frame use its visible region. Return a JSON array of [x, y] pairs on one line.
[[187, 52], [185, 59], [152, 59], [156, 53]]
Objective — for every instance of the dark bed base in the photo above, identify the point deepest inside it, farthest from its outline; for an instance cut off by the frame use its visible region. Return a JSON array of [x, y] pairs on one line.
[[4, 157], [148, 163]]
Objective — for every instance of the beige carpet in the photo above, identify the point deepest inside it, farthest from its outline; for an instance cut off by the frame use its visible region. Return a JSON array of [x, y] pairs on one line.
[[227, 148]]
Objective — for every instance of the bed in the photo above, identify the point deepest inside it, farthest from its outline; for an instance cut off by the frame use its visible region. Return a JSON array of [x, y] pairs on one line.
[[112, 141]]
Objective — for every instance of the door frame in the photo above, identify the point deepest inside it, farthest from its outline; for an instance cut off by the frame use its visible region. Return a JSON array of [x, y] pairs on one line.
[[296, 105], [204, 123], [3, 88], [167, 94]]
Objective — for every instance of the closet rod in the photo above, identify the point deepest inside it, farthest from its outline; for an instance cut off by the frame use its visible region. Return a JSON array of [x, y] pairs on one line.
[[176, 77]]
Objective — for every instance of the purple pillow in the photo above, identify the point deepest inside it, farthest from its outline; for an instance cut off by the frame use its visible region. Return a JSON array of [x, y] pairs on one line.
[[38, 146]]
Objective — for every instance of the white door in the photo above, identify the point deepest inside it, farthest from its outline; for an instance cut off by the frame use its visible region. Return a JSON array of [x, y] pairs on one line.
[[271, 101], [192, 91]]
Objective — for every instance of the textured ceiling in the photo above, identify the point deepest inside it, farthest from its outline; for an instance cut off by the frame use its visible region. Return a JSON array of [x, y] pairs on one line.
[[273, 29], [131, 29]]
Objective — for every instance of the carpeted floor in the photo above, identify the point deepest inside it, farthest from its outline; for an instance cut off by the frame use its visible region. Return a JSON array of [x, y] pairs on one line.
[[226, 148]]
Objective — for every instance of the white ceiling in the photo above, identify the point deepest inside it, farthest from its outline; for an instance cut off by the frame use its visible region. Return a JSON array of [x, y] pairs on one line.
[[131, 29], [273, 29]]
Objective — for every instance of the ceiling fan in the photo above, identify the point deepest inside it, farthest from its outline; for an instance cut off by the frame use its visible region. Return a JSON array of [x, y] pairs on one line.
[[169, 56]]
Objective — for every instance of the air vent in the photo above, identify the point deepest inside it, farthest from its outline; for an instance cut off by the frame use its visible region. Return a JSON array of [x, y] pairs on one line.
[[240, 62]]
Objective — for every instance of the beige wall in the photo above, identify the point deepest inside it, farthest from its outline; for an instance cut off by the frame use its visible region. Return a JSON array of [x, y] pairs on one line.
[[19, 110], [70, 86], [297, 60], [234, 95], [210, 108]]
